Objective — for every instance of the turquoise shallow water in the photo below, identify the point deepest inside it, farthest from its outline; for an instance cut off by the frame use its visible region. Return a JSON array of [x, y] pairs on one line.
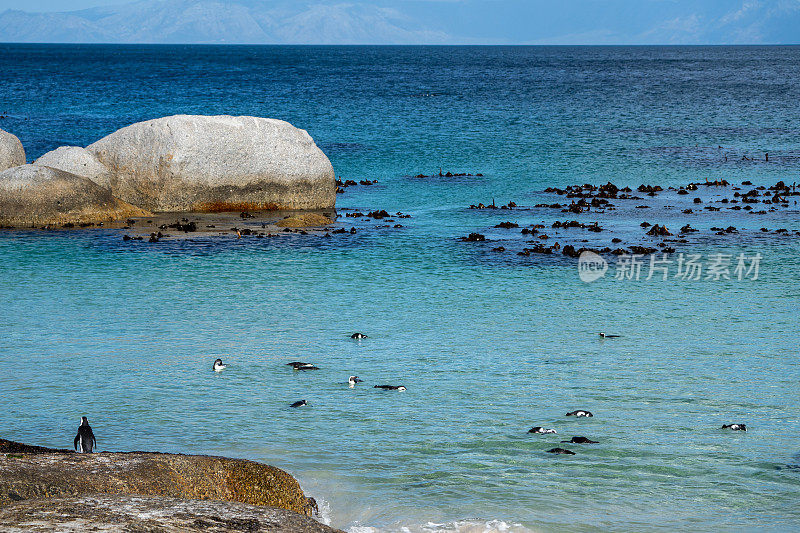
[[487, 344]]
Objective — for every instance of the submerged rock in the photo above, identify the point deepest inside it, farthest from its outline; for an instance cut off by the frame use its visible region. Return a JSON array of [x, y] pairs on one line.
[[78, 161], [32, 472], [12, 154], [117, 513], [38, 195], [304, 220], [217, 163]]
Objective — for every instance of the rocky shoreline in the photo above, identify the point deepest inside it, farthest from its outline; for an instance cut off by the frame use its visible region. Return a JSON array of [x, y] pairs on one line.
[[46, 489]]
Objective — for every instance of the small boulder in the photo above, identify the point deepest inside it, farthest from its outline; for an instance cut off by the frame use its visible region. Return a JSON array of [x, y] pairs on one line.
[[12, 154], [33, 195], [78, 161]]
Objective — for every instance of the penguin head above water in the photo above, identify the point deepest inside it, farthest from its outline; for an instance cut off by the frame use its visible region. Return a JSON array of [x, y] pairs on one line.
[[299, 403], [218, 366], [358, 336], [355, 379], [84, 421]]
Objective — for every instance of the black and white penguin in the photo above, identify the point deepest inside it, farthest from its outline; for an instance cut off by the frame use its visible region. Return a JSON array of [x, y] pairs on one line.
[[299, 403], [735, 427], [390, 387], [355, 379], [540, 429], [580, 440], [607, 336], [358, 336], [561, 451], [84, 440], [218, 366], [580, 413], [297, 365]]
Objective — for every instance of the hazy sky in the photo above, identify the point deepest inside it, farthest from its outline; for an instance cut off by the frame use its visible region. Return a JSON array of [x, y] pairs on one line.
[[564, 21]]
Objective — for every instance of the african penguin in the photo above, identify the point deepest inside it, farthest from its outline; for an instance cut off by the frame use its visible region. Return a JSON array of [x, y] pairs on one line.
[[355, 379], [358, 336], [540, 429], [297, 365], [84, 440], [218, 366], [390, 387], [735, 427], [580, 413], [561, 451], [580, 440], [299, 403]]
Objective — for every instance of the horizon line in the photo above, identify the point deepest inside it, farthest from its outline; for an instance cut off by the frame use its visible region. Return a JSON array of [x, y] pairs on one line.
[[440, 45]]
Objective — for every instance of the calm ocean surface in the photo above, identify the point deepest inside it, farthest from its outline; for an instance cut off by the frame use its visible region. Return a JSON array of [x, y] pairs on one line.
[[487, 344]]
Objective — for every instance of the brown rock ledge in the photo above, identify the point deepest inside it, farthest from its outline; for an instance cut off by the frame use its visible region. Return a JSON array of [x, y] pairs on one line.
[[128, 514], [32, 472]]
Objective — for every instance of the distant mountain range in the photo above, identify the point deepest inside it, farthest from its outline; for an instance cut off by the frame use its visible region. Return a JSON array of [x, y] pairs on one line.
[[415, 22], [220, 21]]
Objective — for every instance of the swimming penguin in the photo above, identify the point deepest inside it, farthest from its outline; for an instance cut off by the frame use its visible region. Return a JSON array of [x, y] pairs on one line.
[[580, 413], [607, 336], [390, 387], [299, 403], [358, 336], [580, 440], [355, 379], [735, 427], [540, 429], [561, 451], [218, 366], [297, 365], [84, 440]]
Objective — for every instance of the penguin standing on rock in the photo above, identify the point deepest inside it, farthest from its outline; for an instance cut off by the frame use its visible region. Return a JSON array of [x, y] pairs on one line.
[[84, 440]]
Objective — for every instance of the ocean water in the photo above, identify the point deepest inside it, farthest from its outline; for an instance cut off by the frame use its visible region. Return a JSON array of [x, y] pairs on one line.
[[488, 344]]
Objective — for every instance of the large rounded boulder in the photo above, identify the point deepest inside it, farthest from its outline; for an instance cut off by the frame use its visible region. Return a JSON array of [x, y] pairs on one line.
[[12, 154], [216, 163], [79, 161], [34, 195]]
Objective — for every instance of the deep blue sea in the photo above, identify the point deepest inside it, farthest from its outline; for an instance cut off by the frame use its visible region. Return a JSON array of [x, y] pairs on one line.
[[487, 343]]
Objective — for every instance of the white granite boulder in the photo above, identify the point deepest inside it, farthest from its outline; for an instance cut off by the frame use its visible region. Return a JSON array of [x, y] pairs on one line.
[[78, 161], [216, 163], [12, 154], [34, 195]]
